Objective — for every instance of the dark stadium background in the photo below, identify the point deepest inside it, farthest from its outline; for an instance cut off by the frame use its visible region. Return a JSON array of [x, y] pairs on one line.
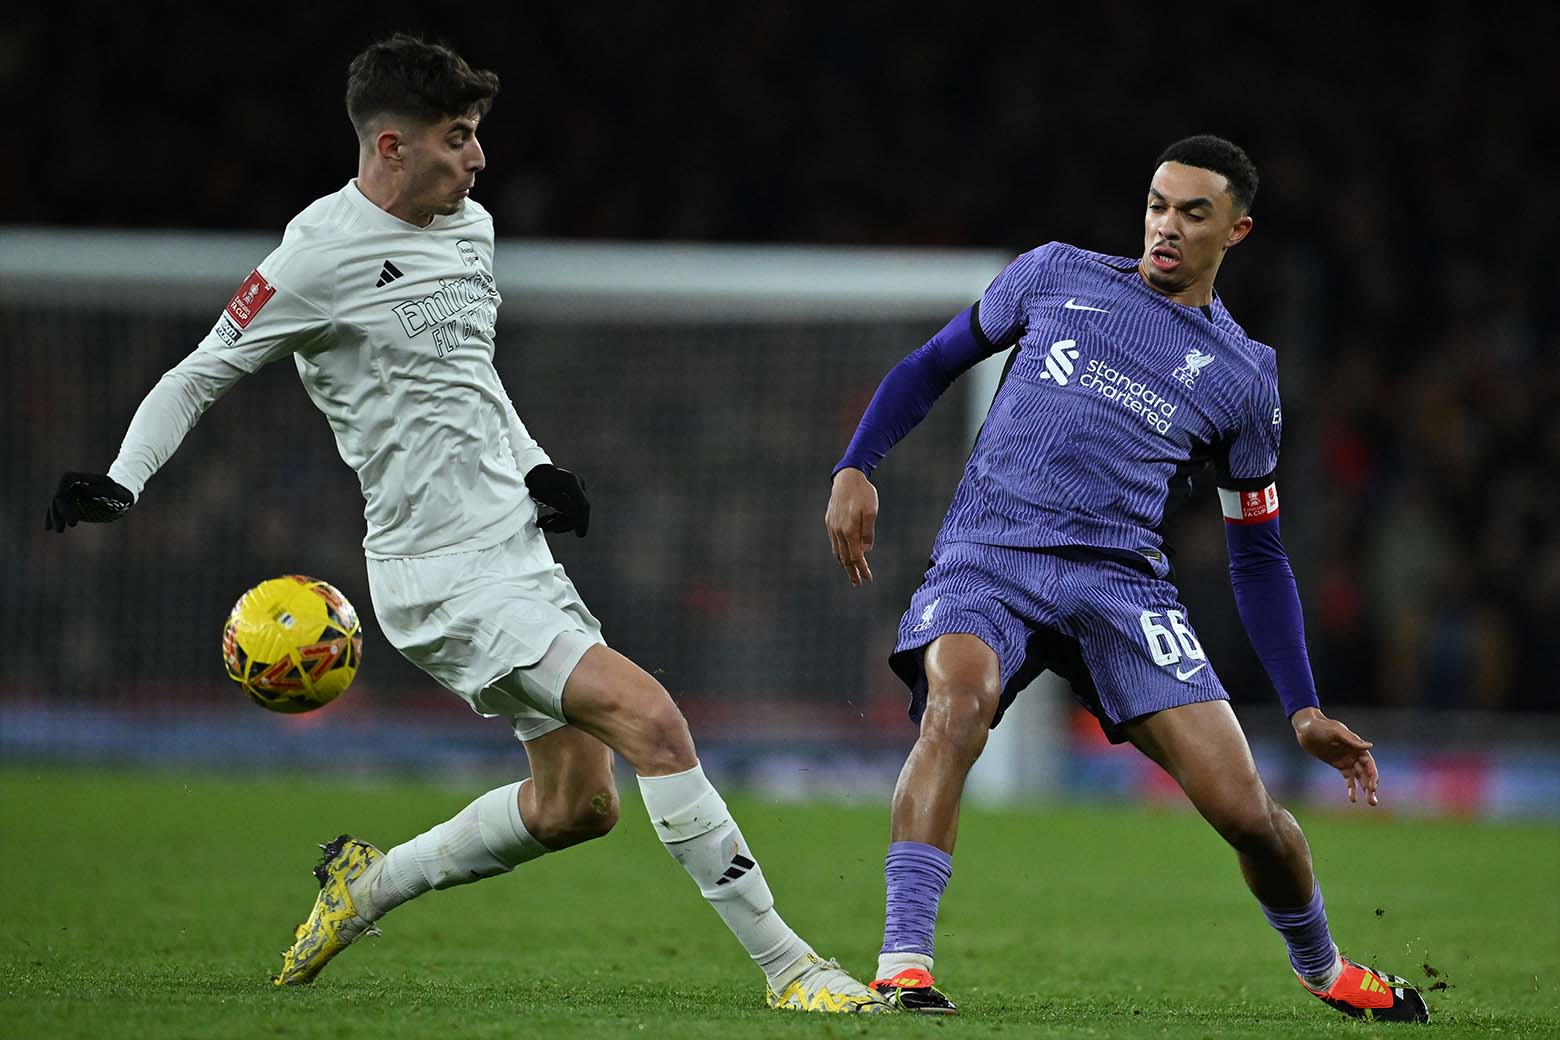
[[1403, 264]]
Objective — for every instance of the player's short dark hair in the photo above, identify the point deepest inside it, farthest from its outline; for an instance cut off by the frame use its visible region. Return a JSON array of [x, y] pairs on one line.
[[1207, 152], [408, 76]]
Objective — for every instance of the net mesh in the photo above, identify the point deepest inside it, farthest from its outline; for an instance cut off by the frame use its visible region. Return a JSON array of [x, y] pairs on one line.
[[706, 449]]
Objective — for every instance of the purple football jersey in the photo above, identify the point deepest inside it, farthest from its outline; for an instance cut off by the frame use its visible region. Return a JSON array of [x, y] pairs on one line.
[[1114, 398]]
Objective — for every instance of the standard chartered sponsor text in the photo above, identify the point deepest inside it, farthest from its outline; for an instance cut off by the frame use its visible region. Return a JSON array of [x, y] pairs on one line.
[[1131, 394]]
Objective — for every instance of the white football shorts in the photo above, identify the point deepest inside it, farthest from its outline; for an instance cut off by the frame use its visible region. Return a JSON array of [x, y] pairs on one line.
[[502, 627]]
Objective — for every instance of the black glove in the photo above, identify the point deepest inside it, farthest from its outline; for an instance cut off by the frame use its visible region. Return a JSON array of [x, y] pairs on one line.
[[563, 494], [92, 497]]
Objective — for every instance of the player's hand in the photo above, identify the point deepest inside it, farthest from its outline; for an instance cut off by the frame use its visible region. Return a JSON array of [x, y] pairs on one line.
[[93, 497], [1340, 747], [563, 494], [852, 520]]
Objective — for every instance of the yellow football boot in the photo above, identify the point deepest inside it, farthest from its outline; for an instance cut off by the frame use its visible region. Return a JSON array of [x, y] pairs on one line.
[[333, 924], [825, 986]]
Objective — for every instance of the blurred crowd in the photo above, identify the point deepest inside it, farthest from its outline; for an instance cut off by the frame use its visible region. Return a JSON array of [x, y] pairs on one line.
[[1402, 262]]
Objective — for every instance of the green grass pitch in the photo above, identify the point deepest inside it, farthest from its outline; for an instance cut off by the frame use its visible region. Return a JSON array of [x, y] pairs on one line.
[[154, 905]]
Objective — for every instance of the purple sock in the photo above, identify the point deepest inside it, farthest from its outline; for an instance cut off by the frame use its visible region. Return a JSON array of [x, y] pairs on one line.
[[1304, 929], [916, 875]]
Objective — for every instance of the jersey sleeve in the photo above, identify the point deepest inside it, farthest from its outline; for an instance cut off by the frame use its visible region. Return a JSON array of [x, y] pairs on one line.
[[527, 452], [910, 389], [1247, 464], [167, 414], [1002, 311], [282, 307]]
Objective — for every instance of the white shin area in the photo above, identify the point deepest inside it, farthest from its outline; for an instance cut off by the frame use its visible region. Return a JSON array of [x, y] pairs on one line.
[[486, 838], [692, 821]]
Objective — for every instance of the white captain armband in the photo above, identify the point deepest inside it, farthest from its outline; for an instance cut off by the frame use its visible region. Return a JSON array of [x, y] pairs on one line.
[[1249, 507]]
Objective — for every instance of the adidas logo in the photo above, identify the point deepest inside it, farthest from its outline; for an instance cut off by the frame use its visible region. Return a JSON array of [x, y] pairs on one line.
[[1370, 984], [740, 865], [387, 274]]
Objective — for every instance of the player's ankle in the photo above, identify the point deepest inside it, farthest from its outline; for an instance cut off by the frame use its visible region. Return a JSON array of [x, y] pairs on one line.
[[891, 964], [1324, 982], [377, 891], [782, 977]]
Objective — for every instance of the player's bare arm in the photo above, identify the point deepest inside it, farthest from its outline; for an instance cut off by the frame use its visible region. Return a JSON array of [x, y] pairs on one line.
[[1340, 747], [852, 521]]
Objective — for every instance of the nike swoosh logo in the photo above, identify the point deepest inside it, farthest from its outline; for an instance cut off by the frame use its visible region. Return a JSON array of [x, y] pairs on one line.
[[1183, 676], [1074, 305]]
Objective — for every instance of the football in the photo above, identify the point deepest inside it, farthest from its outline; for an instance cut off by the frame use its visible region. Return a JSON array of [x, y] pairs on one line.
[[293, 643]]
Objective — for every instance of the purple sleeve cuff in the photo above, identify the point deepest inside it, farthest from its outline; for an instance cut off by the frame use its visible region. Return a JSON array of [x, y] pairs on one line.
[[1269, 604], [911, 387]]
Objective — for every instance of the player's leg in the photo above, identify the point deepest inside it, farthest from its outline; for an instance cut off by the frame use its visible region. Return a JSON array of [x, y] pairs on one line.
[[963, 688], [1132, 657], [610, 697], [963, 643], [569, 798], [1134, 660], [1202, 747]]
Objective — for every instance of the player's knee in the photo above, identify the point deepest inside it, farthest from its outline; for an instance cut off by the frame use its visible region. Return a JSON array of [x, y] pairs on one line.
[[639, 720], [668, 744], [662, 743], [1249, 825], [588, 814], [960, 716]]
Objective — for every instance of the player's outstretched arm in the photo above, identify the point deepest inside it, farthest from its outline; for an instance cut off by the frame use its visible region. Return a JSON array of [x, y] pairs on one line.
[[852, 522], [165, 417]]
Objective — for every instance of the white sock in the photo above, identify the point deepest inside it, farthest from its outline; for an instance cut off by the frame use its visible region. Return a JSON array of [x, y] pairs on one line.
[[891, 964], [694, 824], [484, 839], [1324, 982]]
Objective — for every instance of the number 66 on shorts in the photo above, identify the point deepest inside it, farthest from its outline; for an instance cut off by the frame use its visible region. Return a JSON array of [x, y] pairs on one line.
[[1168, 646]]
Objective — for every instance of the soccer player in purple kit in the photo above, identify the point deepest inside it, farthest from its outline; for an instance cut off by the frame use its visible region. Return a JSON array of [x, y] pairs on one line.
[[1128, 377]]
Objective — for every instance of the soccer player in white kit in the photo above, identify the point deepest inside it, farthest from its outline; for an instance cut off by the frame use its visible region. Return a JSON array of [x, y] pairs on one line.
[[383, 294]]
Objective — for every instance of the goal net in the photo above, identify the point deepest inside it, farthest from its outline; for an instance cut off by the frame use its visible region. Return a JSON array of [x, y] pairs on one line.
[[703, 392]]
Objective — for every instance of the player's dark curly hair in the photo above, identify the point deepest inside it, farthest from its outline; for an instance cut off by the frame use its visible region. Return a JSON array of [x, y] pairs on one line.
[[1207, 152], [408, 76]]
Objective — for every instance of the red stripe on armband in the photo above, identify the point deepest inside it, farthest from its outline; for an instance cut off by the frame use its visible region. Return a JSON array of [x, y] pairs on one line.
[[1249, 507]]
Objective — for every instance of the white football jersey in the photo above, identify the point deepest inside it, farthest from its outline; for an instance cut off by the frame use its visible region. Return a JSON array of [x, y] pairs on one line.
[[391, 327]]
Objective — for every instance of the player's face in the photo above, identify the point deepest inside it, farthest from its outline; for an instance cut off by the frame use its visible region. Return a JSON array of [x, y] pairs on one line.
[[441, 164], [1190, 221]]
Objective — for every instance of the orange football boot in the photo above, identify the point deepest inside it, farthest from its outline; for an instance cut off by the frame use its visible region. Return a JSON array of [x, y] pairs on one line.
[[1363, 992]]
